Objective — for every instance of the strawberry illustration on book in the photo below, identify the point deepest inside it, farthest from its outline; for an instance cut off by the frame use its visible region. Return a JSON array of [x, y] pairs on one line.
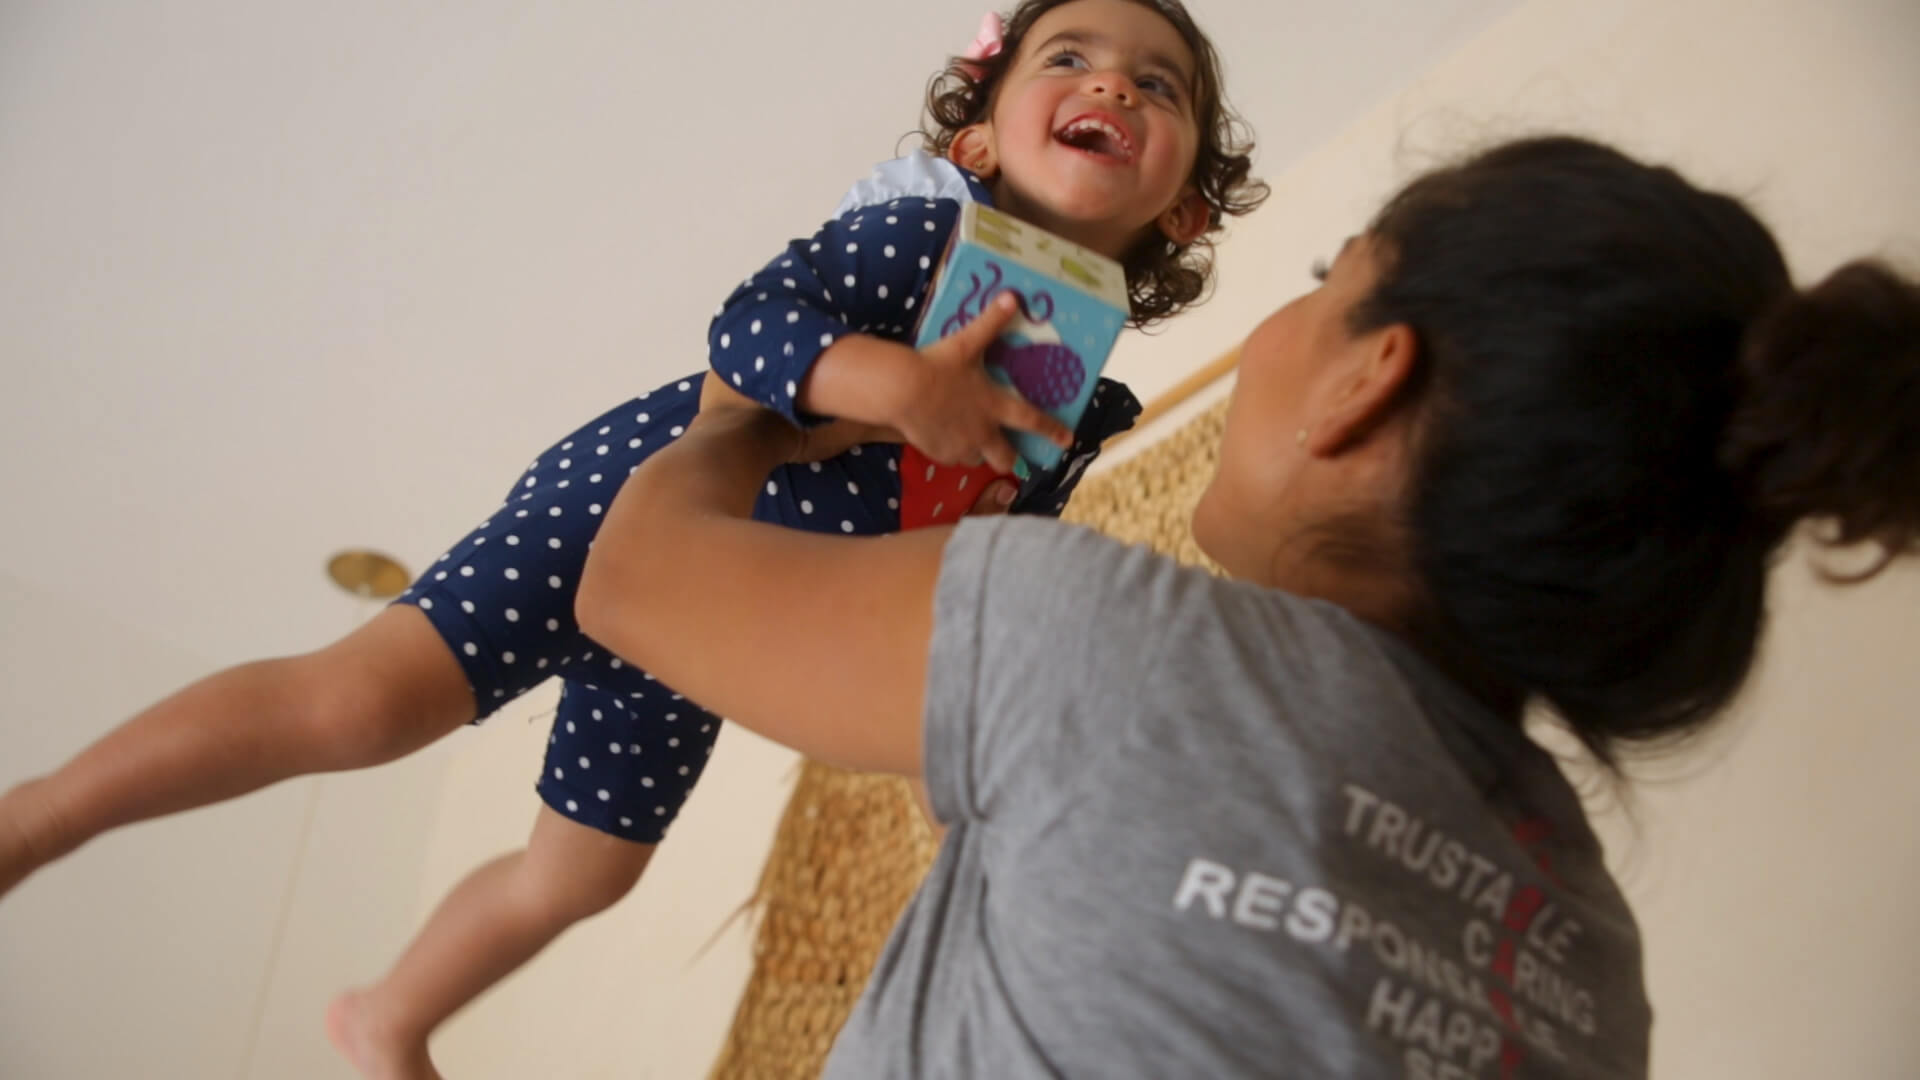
[[1073, 303]]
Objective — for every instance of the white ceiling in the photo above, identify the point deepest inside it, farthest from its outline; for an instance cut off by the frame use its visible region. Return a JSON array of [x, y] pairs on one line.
[[279, 278]]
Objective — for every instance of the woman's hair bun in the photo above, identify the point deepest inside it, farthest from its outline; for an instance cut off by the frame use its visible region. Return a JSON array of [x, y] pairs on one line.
[[1826, 424]]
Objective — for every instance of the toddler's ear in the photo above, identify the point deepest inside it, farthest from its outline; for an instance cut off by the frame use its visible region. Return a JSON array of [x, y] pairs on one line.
[[973, 149], [1187, 219]]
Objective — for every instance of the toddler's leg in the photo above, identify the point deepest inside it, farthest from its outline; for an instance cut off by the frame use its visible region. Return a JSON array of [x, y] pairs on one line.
[[502, 600], [391, 687], [383, 691], [493, 922]]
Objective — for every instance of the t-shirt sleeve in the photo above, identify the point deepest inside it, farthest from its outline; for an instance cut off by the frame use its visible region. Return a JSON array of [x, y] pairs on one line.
[[862, 272], [1045, 641]]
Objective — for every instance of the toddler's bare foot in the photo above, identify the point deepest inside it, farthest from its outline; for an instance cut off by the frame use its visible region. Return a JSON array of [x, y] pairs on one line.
[[376, 1054]]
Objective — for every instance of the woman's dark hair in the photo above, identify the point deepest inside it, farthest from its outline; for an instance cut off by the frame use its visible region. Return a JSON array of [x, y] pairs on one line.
[[1625, 408], [1162, 278]]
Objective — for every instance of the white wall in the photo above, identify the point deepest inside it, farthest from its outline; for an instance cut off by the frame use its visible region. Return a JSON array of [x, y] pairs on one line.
[[69, 938], [1774, 868]]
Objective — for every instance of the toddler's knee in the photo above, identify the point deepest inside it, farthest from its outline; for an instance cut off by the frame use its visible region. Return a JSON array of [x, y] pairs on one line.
[[381, 693], [353, 719]]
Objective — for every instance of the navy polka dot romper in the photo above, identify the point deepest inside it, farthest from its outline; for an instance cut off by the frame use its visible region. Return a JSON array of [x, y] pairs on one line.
[[625, 749]]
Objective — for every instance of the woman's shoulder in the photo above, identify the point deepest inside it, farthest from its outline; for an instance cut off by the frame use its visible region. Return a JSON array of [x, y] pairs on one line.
[[1081, 574], [1278, 664], [1047, 550]]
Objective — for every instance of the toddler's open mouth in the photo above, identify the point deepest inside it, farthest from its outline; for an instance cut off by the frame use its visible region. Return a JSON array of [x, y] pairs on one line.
[[1098, 137]]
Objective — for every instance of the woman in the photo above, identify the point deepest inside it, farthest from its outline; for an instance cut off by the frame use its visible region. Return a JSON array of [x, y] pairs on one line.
[[1536, 438]]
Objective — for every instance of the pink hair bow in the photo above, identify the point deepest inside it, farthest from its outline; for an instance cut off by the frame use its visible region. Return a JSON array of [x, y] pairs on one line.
[[986, 45]]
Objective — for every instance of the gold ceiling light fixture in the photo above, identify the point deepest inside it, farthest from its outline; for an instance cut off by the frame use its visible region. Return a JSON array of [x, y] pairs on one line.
[[367, 574]]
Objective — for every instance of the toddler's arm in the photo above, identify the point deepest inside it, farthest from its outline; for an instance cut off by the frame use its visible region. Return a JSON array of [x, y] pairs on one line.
[[861, 275], [821, 331]]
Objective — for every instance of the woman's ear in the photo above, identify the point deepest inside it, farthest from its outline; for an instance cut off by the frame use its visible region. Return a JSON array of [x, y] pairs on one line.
[[973, 149], [1187, 219], [1371, 392]]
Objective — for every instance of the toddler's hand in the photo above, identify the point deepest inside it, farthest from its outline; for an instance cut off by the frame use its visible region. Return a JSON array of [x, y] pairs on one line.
[[954, 412]]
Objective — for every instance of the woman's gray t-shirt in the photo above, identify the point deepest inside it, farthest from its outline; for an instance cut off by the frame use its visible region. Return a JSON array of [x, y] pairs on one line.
[[1202, 828]]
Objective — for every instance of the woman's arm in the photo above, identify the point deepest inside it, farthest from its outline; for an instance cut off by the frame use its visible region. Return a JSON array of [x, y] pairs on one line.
[[817, 642]]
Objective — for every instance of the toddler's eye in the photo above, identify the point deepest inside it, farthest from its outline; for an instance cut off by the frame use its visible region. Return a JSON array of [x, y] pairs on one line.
[[1066, 58], [1154, 84]]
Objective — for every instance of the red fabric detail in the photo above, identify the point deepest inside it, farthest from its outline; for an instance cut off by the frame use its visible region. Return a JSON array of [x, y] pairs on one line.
[[932, 494], [1503, 961], [1523, 907]]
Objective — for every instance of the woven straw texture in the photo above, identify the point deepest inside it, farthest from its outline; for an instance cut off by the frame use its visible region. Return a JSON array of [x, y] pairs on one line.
[[851, 848]]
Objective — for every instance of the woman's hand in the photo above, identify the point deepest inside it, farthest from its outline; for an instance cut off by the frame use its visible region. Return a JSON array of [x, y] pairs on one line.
[[809, 444], [830, 439]]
